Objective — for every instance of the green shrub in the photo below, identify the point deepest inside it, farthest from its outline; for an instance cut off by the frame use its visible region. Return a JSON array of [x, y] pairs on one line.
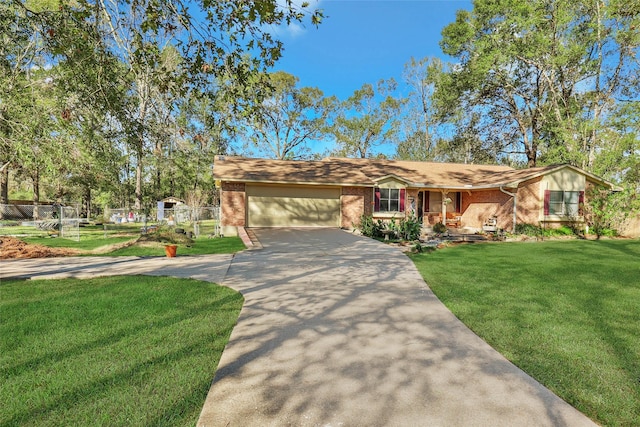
[[409, 228], [370, 228], [439, 228], [607, 232], [528, 230], [564, 230], [405, 228], [534, 230]]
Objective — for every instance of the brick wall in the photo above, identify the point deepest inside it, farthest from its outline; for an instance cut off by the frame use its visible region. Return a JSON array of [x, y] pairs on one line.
[[354, 202], [529, 202], [478, 206], [232, 201]]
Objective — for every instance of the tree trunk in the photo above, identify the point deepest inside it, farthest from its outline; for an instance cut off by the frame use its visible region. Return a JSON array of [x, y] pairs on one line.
[[36, 193], [143, 97], [138, 202], [86, 201], [427, 134], [4, 186]]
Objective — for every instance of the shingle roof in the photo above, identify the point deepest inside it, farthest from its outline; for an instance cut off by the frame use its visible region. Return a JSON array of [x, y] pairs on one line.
[[366, 172]]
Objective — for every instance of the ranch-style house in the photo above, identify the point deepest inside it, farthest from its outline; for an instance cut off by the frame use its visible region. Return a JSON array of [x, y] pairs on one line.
[[336, 192]]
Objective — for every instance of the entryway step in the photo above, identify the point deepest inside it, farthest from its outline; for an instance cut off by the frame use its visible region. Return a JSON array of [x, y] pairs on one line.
[[255, 243]]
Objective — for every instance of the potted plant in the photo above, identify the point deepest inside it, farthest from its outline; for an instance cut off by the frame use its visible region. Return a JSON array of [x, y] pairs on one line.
[[171, 250], [169, 239]]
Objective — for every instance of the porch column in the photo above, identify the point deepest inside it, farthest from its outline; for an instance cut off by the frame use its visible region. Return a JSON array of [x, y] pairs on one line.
[[444, 206]]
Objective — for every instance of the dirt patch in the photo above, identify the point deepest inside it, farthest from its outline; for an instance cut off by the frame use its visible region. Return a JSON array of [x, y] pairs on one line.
[[110, 248], [11, 248]]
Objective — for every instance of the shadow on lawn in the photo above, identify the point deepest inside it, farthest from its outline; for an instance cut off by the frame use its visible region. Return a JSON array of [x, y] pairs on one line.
[[122, 375]]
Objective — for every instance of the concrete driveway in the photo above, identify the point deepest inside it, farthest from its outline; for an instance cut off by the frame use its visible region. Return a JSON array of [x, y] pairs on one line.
[[339, 330]]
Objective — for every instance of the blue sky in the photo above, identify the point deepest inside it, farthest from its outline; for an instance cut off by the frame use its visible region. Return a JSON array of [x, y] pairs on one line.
[[362, 41]]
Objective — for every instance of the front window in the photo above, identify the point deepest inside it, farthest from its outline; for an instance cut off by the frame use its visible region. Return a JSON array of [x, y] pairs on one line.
[[389, 200], [564, 203]]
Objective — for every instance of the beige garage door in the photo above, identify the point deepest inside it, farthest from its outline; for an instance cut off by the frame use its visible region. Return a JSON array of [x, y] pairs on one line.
[[292, 206]]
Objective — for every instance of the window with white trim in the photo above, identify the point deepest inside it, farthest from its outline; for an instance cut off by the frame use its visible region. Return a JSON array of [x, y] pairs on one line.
[[389, 200], [564, 203]]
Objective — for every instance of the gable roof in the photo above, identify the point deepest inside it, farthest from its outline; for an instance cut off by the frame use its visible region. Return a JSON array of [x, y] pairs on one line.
[[367, 172]]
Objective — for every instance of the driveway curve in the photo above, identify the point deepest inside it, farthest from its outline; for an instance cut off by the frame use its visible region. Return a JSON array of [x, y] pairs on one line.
[[340, 330]]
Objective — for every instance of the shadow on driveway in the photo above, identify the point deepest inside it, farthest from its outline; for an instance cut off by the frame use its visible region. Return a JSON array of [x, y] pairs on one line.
[[339, 330]]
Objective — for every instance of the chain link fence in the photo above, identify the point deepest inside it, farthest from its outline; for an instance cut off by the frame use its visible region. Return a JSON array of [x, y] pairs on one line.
[[51, 219], [15, 212], [70, 223], [201, 221], [21, 212], [65, 221]]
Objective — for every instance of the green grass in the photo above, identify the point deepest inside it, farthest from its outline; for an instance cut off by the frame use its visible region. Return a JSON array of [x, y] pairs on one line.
[[567, 313], [127, 351], [201, 246], [96, 236]]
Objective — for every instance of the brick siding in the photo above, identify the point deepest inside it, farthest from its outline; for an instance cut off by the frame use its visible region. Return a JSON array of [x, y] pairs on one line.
[[233, 202], [354, 202], [529, 202], [478, 206]]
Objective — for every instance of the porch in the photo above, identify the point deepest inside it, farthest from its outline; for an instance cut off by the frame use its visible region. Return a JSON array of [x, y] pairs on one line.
[[454, 219], [440, 206]]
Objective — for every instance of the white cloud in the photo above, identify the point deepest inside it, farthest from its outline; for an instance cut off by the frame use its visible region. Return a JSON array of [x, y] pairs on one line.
[[295, 29], [292, 30]]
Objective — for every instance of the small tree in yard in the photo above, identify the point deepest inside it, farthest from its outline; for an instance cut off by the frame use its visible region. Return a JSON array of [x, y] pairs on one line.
[[195, 200], [606, 213]]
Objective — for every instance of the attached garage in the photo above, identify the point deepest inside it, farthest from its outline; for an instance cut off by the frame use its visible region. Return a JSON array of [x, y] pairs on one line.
[[292, 206]]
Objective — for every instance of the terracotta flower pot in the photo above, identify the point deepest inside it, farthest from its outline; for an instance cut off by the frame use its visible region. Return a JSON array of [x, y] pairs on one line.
[[170, 250]]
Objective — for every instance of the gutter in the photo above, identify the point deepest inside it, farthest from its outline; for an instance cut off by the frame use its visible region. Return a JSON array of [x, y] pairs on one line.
[[515, 205]]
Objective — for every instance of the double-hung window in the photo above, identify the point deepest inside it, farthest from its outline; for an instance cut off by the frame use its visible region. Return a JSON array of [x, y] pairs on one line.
[[563, 203], [389, 200]]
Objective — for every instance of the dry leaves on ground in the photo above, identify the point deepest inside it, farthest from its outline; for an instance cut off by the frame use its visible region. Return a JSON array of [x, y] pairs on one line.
[[11, 248]]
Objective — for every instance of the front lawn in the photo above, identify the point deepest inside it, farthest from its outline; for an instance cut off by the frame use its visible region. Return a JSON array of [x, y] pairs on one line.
[[200, 246], [566, 312], [129, 351]]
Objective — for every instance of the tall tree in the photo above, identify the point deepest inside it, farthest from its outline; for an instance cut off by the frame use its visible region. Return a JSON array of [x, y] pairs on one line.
[[545, 72], [289, 118], [421, 126], [367, 119], [19, 55], [119, 46]]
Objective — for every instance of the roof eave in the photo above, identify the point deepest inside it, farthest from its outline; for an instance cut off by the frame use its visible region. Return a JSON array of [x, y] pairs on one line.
[[589, 175], [289, 182], [392, 176], [460, 188]]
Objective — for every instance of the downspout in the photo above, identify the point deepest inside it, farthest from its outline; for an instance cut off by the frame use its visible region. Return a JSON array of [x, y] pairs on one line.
[[515, 205]]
